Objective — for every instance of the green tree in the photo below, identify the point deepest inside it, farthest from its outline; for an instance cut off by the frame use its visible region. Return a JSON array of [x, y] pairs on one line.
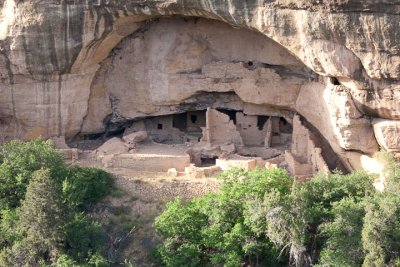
[[41, 215], [294, 222], [343, 244], [83, 187], [40, 224], [381, 230], [44, 205], [181, 225], [260, 214], [10, 228], [84, 237], [18, 161], [215, 229]]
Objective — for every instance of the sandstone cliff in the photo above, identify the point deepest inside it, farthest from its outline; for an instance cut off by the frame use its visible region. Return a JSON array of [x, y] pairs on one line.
[[66, 71]]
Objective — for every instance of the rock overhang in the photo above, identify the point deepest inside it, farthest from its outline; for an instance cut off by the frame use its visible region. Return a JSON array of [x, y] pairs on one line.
[[51, 51]]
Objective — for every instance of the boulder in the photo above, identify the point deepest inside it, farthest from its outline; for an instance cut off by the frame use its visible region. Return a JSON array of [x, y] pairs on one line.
[[113, 146], [135, 137], [387, 133]]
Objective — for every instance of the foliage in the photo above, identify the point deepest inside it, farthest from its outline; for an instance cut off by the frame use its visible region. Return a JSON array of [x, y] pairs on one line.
[[181, 226], [42, 208], [381, 230], [83, 187], [18, 161], [342, 247], [41, 214], [264, 218], [95, 260], [215, 230], [83, 237], [310, 206]]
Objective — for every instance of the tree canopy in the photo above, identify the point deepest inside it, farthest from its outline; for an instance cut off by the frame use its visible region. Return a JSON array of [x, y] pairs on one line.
[[266, 218], [43, 208]]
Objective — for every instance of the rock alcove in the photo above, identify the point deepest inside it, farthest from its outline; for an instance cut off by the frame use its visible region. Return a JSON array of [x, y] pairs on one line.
[[225, 91], [94, 68]]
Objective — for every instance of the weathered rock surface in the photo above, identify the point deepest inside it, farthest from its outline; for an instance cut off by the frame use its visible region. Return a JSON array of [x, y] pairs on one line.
[[112, 147], [388, 134], [64, 70], [135, 137]]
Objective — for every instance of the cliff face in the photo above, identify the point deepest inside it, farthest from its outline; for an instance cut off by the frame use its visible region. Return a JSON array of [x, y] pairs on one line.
[[65, 71]]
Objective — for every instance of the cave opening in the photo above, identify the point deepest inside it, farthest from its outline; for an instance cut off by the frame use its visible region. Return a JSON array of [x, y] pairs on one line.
[[179, 121], [231, 113], [334, 81], [261, 120], [208, 161], [284, 126], [181, 93]]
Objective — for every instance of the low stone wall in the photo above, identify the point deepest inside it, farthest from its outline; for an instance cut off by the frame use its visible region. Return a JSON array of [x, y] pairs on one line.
[[151, 162], [240, 162]]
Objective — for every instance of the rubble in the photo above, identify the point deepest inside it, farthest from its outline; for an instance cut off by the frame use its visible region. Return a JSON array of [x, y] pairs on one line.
[[202, 144]]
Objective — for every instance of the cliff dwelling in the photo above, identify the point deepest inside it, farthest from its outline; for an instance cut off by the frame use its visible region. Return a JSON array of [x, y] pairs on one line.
[[196, 96], [202, 92], [148, 100]]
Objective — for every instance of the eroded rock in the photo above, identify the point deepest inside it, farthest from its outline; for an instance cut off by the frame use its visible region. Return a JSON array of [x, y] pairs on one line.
[[65, 72], [113, 146], [387, 133]]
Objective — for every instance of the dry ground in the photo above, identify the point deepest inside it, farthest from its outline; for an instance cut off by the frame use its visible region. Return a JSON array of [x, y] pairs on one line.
[[138, 198]]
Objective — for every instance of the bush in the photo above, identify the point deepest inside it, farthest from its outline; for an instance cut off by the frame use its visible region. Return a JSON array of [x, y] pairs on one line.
[[215, 229], [41, 214], [263, 217], [18, 161], [381, 229], [381, 232], [43, 205], [342, 247], [84, 237], [85, 186], [181, 225]]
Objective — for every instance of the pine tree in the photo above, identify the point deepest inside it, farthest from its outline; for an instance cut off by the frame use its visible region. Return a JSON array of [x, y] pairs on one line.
[[42, 218]]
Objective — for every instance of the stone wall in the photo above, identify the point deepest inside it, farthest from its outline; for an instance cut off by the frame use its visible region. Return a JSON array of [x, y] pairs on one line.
[[150, 162], [220, 129], [64, 68], [304, 159], [251, 134]]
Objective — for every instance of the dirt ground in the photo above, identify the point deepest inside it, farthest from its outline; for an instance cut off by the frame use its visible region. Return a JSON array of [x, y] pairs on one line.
[[138, 198]]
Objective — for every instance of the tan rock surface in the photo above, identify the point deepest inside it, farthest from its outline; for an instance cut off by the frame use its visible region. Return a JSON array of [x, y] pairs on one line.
[[387, 133], [114, 146], [64, 70]]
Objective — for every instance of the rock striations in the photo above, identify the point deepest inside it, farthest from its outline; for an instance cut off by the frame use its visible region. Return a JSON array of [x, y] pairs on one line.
[[73, 68]]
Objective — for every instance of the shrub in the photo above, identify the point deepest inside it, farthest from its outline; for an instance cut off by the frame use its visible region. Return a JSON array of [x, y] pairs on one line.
[[85, 186], [215, 230], [264, 217], [37, 228], [18, 161], [41, 213], [293, 221], [342, 247], [84, 237], [381, 229]]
